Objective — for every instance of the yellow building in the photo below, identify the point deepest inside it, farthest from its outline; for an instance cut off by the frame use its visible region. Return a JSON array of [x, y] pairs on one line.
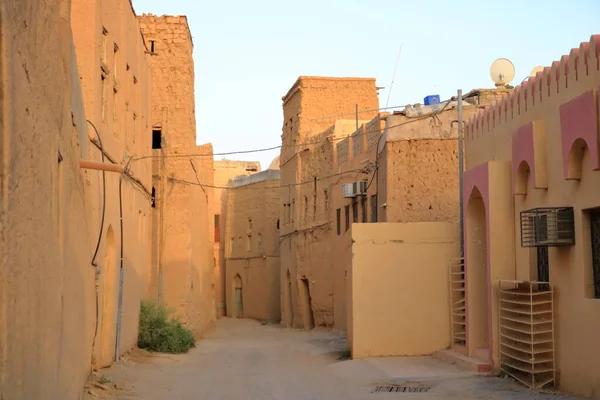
[[252, 262], [182, 267], [225, 170], [531, 196], [114, 71], [75, 219]]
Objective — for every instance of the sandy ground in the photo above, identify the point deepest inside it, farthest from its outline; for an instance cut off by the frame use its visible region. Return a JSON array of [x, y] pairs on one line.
[[242, 359]]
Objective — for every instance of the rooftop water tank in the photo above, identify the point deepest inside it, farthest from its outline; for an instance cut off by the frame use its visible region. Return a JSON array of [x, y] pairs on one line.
[[432, 99]]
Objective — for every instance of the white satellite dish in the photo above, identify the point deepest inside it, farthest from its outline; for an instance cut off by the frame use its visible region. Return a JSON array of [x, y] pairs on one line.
[[502, 72], [535, 70]]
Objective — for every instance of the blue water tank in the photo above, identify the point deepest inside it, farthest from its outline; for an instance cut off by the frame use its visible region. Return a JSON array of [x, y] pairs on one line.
[[432, 99]]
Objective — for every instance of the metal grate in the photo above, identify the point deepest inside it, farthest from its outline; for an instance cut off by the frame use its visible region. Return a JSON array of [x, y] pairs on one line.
[[401, 388], [548, 227]]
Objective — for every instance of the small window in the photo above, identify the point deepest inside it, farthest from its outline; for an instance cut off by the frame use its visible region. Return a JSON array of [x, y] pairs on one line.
[[231, 245], [259, 240], [249, 243], [152, 46], [293, 210], [217, 228], [249, 223], [277, 223], [338, 214], [347, 216], [363, 206], [306, 207], [156, 138], [153, 199], [374, 208], [594, 220], [355, 211]]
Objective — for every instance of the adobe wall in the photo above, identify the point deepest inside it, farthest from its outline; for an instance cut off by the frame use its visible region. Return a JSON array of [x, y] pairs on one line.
[[114, 71], [252, 246], [46, 280], [546, 133], [311, 107], [182, 270], [224, 170], [418, 174]]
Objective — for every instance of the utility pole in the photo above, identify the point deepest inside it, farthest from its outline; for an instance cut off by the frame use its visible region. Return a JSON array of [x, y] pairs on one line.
[[460, 172]]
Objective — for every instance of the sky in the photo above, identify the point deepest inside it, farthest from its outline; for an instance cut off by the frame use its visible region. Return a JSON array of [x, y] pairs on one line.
[[248, 54]]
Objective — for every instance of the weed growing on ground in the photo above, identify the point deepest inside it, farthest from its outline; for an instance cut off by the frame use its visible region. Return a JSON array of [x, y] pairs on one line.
[[345, 355], [160, 333], [104, 380]]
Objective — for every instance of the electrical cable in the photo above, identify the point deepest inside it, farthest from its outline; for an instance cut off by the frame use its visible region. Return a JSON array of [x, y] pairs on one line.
[[103, 196], [266, 187], [309, 143], [99, 236], [121, 277]]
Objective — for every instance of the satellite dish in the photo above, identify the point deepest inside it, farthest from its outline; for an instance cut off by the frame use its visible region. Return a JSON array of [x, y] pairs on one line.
[[535, 70], [502, 72]]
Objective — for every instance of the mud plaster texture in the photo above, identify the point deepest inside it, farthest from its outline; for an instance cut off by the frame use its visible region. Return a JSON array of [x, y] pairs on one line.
[[183, 266], [252, 262], [224, 170], [46, 281], [310, 108]]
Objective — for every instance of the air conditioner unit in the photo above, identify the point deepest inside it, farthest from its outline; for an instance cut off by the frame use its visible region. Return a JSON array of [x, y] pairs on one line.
[[347, 190], [354, 189], [547, 227], [359, 188]]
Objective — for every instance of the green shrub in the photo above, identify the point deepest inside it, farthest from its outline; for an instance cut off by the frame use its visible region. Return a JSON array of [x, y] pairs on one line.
[[158, 332]]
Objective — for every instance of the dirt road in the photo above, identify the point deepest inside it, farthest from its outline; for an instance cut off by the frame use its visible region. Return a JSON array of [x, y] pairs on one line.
[[244, 360]]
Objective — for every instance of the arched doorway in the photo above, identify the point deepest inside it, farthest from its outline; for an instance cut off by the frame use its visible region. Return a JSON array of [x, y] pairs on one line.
[[288, 305], [108, 333], [308, 317], [239, 301], [477, 278]]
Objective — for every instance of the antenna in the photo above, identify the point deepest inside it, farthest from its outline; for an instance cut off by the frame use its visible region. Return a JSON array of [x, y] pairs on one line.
[[535, 70], [394, 75], [502, 72]]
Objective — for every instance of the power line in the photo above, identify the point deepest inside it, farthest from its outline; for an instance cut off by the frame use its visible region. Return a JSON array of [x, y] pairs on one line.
[[309, 143], [312, 181]]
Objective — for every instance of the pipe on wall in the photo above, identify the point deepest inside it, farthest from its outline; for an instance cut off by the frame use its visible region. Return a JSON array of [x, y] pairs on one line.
[[100, 166]]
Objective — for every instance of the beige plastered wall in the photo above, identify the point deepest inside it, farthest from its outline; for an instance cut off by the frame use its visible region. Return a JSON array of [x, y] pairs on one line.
[[224, 170], [252, 246], [114, 72], [400, 267], [577, 314], [311, 107], [46, 280], [182, 268]]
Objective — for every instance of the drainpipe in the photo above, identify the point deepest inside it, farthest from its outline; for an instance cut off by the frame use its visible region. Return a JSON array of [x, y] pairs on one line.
[[460, 171], [100, 166], [121, 277]]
